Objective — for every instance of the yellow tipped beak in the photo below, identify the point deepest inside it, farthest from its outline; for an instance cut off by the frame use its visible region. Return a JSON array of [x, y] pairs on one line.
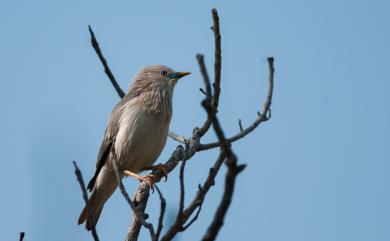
[[181, 74]]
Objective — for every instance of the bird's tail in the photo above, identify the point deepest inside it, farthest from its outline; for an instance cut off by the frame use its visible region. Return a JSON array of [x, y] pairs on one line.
[[91, 212], [95, 204]]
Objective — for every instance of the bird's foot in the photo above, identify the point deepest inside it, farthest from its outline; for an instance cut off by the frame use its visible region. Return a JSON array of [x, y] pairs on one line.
[[161, 167], [150, 179]]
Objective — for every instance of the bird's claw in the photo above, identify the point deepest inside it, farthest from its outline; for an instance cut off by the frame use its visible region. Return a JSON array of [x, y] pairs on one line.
[[161, 167], [150, 179]]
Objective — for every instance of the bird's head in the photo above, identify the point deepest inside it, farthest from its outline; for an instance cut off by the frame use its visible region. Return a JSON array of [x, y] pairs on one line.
[[155, 78]]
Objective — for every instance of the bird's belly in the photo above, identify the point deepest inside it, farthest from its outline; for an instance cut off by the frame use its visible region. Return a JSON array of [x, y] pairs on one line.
[[140, 141]]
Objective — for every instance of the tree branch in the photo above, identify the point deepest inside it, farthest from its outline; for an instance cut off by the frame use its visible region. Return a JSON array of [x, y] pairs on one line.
[[197, 213], [205, 75], [142, 193], [95, 45], [197, 201], [85, 196], [218, 60], [233, 171], [21, 236], [182, 188], [260, 118], [163, 205], [217, 71], [139, 214]]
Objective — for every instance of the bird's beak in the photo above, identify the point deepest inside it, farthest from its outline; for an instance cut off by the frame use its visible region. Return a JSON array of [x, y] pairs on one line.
[[178, 75]]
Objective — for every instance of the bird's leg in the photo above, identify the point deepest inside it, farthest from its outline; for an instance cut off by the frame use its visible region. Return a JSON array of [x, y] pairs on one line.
[[161, 167], [150, 179]]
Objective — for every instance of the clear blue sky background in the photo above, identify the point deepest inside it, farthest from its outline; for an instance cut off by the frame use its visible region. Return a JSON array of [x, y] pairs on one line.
[[318, 170]]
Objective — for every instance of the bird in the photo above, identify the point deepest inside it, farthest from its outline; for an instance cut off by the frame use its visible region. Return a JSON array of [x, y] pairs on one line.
[[137, 132]]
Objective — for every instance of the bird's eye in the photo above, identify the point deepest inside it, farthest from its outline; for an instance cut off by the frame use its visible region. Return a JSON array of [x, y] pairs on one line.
[[163, 73]]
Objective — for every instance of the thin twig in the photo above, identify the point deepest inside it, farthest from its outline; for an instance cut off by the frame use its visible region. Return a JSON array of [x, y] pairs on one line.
[[185, 226], [217, 71], [205, 75], [81, 181], [218, 60], [202, 91], [21, 236], [182, 188], [240, 125], [85, 196], [261, 116], [95, 45], [196, 202], [163, 205]]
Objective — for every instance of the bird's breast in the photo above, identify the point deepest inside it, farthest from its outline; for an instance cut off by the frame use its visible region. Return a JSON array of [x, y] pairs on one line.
[[141, 138]]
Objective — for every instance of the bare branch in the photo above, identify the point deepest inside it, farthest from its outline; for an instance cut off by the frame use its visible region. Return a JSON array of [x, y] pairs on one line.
[[85, 196], [140, 215], [217, 61], [163, 205], [197, 201], [240, 125], [271, 70], [142, 193], [202, 91], [212, 101], [215, 226], [217, 71], [197, 213], [233, 171], [95, 45], [21, 236], [140, 200], [205, 75], [261, 116], [182, 188], [81, 181]]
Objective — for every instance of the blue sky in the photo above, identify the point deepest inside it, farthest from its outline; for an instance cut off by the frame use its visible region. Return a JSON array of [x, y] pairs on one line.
[[318, 170]]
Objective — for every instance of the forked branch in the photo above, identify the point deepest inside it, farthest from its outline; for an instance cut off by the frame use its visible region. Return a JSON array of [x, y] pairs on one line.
[[192, 146], [261, 116]]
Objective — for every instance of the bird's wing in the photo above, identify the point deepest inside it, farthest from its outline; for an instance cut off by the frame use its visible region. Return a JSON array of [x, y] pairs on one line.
[[104, 150], [108, 140]]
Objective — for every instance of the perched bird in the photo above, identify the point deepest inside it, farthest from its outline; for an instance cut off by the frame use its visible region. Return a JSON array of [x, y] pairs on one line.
[[138, 129]]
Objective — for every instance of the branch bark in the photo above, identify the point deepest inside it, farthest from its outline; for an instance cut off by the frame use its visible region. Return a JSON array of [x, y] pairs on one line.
[[85, 195]]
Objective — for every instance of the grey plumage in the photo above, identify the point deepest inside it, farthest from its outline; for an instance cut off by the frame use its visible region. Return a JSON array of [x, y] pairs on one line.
[[139, 125]]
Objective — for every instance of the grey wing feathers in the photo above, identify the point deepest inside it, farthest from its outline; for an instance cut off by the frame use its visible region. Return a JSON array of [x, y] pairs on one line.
[[104, 150], [108, 139]]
